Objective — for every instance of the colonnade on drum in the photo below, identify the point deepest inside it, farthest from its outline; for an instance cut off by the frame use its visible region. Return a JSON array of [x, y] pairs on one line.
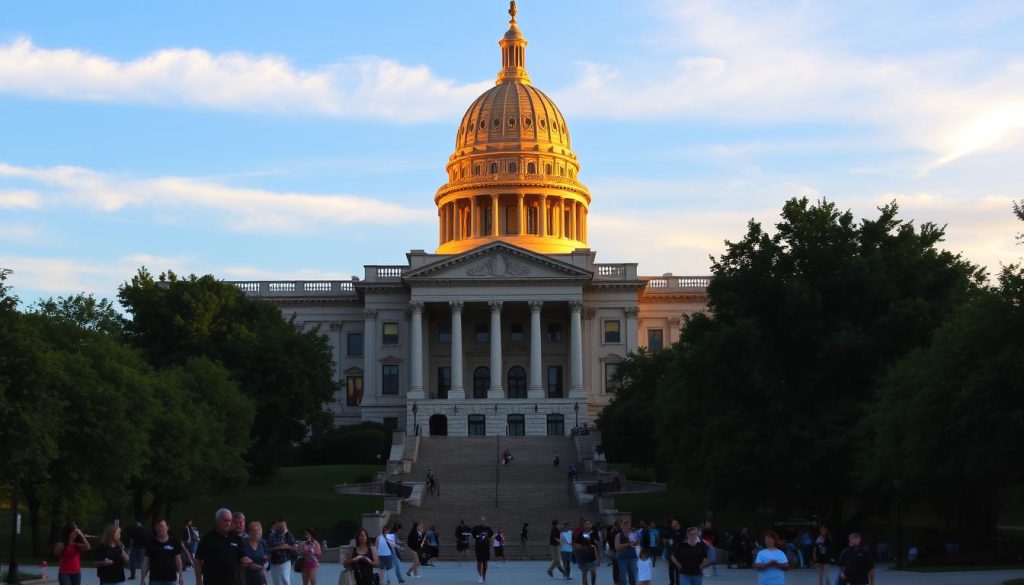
[[480, 216], [536, 387]]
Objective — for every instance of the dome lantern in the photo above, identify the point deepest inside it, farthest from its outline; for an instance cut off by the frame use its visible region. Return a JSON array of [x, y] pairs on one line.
[[513, 52]]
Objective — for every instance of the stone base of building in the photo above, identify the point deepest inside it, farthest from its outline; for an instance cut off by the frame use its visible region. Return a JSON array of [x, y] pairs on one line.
[[489, 417]]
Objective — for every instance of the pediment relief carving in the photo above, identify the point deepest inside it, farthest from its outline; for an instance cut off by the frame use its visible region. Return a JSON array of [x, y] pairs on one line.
[[498, 265]]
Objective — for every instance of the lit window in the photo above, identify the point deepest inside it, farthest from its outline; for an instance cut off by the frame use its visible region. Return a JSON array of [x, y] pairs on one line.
[[390, 333], [353, 390], [612, 332]]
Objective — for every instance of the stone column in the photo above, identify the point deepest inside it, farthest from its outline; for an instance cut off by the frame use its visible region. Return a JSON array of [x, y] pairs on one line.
[[561, 218], [457, 391], [416, 353], [572, 219], [522, 218], [440, 225], [474, 221], [370, 355], [495, 217], [576, 351], [631, 328], [496, 390], [536, 389], [542, 215]]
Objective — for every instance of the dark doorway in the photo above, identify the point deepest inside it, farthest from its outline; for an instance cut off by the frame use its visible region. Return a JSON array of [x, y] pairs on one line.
[[438, 425], [481, 381], [516, 382]]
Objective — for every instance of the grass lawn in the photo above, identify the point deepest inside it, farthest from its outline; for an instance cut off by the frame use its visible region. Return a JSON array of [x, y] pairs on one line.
[[959, 568], [1014, 582], [303, 495]]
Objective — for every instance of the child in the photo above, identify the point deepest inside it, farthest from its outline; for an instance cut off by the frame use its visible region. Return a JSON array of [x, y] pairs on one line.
[[643, 567], [499, 545]]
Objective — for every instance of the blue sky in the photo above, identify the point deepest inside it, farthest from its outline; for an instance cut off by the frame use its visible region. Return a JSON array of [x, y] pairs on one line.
[[262, 140]]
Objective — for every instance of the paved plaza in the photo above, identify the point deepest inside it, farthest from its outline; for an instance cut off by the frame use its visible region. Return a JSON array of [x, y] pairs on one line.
[[532, 573]]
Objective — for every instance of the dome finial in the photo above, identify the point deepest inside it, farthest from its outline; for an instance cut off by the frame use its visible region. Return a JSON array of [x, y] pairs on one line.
[[513, 51], [512, 11]]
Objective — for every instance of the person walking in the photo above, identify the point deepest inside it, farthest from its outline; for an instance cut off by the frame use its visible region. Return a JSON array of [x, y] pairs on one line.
[[310, 551], [670, 539], [433, 548], [69, 554], [499, 545], [565, 549], [162, 562], [415, 541], [707, 535], [627, 541], [771, 563], [362, 560], [689, 557], [822, 554], [386, 556], [585, 545], [190, 538], [281, 544], [483, 536], [137, 538], [524, 542], [554, 542], [256, 549], [219, 554], [856, 566], [463, 535], [111, 557]]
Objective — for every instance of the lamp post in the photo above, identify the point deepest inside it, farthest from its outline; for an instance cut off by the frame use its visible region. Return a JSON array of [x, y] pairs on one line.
[[12, 567], [415, 409], [576, 407]]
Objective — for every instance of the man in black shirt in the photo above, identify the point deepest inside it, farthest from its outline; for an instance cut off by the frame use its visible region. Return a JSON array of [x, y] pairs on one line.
[[220, 553], [483, 536], [690, 557], [672, 536], [163, 563], [584, 544], [462, 537], [138, 536], [554, 541], [855, 564]]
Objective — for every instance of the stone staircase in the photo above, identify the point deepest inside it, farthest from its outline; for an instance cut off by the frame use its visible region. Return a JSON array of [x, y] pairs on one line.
[[530, 489]]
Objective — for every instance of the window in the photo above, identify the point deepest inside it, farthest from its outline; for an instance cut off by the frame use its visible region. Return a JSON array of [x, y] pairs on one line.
[[611, 381], [513, 168], [477, 425], [353, 390], [655, 339], [355, 344], [612, 332], [488, 220], [390, 333], [547, 169], [389, 379], [512, 219], [515, 332], [556, 425], [444, 381], [516, 382], [444, 332], [481, 382], [476, 170], [555, 332], [481, 332], [516, 425], [554, 381], [531, 168], [494, 168], [531, 220], [390, 423]]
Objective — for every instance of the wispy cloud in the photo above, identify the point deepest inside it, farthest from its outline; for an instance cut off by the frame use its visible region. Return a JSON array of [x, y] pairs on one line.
[[772, 63], [240, 209], [20, 199], [359, 87]]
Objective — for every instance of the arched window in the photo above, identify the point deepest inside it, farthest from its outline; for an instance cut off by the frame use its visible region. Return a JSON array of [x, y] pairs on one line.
[[513, 168], [516, 382], [481, 382], [494, 168], [476, 170], [548, 169], [531, 168]]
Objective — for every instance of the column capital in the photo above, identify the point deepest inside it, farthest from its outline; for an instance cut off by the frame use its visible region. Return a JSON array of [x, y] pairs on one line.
[[456, 306], [370, 313], [589, 313], [535, 306], [631, 311], [576, 306], [495, 306], [675, 321], [416, 306]]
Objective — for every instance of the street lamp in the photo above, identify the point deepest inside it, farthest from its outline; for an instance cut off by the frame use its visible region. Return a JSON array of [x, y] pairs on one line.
[[415, 409], [576, 407]]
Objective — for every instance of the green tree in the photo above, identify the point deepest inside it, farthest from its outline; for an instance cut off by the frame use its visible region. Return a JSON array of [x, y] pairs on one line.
[[764, 393], [631, 416], [286, 374]]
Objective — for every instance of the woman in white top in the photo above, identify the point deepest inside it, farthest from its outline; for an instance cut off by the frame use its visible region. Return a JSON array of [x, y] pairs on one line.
[[386, 553]]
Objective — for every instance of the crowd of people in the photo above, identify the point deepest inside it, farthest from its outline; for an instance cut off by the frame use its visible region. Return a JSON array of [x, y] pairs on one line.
[[240, 553]]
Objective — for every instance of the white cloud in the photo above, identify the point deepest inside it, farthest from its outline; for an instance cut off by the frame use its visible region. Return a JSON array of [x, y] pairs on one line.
[[20, 199], [240, 209], [19, 232], [777, 63], [360, 87]]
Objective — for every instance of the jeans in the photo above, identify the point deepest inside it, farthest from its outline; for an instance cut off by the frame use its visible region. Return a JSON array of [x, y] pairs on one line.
[[690, 579], [69, 578], [396, 563], [137, 556], [627, 570], [673, 574], [281, 573], [567, 563]]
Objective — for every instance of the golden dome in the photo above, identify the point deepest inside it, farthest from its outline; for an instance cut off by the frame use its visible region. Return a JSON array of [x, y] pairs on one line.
[[512, 176]]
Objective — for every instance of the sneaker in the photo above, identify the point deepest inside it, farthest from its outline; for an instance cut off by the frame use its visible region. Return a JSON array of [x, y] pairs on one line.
[[550, 574], [479, 579]]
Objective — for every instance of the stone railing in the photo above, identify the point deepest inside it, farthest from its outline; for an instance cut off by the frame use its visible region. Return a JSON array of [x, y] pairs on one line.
[[499, 178], [615, 272], [385, 273], [674, 283], [293, 288]]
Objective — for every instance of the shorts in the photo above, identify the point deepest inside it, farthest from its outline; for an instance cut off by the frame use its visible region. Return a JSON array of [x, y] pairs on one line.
[[483, 554], [588, 566], [385, 562], [461, 546]]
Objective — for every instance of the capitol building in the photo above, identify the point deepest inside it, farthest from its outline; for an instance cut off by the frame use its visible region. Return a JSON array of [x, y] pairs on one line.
[[510, 326]]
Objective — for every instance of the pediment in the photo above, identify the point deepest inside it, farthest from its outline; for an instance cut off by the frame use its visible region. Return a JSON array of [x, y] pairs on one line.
[[498, 261]]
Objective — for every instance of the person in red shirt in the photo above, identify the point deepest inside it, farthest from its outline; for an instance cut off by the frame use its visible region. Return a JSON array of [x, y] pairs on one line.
[[69, 550]]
